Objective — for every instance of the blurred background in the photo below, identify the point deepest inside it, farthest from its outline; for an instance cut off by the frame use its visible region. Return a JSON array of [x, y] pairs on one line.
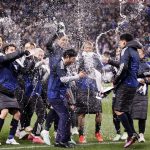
[[35, 20]]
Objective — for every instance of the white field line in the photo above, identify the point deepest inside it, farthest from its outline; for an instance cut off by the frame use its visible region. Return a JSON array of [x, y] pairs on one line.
[[45, 146]]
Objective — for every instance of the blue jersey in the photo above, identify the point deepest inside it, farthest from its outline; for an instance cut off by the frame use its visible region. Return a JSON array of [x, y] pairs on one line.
[[56, 88], [8, 78], [33, 82], [129, 65], [9, 70]]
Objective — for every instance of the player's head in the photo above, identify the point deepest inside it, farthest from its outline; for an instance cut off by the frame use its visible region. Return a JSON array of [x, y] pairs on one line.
[[39, 53], [10, 48], [29, 46], [62, 40], [124, 39], [88, 46], [69, 56]]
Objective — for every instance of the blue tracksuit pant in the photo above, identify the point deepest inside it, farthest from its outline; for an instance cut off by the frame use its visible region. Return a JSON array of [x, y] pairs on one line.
[[63, 131]]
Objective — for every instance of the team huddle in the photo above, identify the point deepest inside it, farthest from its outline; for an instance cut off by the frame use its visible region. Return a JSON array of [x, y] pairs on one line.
[[62, 85]]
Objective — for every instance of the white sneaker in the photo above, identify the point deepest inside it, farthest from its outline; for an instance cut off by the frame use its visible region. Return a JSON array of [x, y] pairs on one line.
[[22, 134], [141, 139], [117, 137], [72, 141], [12, 141], [46, 137], [98, 96], [74, 131], [124, 136]]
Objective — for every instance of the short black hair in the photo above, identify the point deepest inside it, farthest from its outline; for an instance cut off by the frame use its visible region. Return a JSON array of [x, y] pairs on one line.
[[70, 53], [7, 46], [127, 37]]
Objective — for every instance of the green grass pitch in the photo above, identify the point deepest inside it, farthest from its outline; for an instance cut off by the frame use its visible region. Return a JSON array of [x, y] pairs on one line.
[[92, 144]]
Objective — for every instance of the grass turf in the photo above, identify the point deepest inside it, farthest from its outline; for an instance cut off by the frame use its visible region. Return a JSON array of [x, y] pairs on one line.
[[107, 131]]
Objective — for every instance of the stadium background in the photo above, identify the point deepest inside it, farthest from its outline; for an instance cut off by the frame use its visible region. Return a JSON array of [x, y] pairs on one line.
[[33, 20]]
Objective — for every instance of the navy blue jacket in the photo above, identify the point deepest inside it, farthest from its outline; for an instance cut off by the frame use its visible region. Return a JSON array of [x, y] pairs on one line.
[[32, 78], [56, 55], [55, 52], [32, 86], [56, 88], [28, 75], [9, 71], [128, 66]]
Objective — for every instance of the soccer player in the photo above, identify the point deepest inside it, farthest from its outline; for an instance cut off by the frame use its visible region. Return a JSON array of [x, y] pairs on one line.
[[88, 90], [57, 95], [126, 84], [8, 84], [55, 47]]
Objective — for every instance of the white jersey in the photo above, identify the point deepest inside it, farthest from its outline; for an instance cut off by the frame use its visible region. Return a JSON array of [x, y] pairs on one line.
[[88, 58], [92, 66]]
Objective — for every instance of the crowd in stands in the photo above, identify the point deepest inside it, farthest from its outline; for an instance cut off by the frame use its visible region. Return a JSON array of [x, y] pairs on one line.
[[33, 20]]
